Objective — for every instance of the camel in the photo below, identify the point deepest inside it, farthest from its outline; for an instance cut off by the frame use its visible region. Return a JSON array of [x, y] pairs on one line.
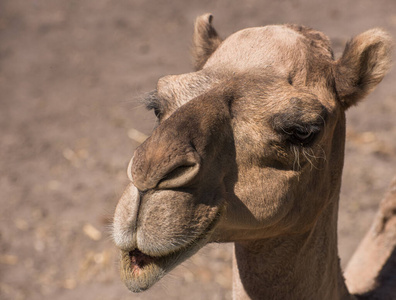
[[249, 149]]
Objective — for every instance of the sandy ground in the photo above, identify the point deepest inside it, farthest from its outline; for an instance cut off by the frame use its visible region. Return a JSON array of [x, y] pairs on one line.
[[71, 74]]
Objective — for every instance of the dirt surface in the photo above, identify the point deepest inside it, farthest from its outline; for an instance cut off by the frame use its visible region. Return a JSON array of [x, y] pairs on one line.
[[71, 74]]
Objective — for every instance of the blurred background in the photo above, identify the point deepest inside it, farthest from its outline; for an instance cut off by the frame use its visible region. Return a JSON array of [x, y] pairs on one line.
[[71, 76]]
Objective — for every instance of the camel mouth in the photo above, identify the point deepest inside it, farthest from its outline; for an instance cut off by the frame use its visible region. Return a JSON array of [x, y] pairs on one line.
[[140, 271], [139, 261]]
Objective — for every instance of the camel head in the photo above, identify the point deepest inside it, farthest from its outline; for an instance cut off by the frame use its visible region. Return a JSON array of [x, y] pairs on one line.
[[247, 147]]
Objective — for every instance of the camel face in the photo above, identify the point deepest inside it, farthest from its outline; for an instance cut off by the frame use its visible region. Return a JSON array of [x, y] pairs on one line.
[[250, 146]]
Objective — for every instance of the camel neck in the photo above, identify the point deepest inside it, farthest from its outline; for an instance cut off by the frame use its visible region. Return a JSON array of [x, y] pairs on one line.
[[303, 266]]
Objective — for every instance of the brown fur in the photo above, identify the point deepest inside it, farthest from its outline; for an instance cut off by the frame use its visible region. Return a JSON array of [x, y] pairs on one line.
[[249, 149]]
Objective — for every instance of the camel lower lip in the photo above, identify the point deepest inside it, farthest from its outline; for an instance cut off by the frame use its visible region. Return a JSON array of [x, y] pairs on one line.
[[139, 261], [140, 271]]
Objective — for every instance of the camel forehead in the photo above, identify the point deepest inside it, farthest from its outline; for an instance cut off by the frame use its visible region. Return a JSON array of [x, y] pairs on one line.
[[272, 47]]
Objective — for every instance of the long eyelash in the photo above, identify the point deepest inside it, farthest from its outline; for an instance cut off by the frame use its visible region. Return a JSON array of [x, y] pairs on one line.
[[296, 163]]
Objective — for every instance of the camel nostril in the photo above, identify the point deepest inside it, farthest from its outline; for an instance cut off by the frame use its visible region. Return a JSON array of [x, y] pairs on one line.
[[152, 169], [180, 176]]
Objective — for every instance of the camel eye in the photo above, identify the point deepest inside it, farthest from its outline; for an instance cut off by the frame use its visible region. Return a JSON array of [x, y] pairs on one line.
[[153, 102], [157, 112], [303, 136], [299, 127]]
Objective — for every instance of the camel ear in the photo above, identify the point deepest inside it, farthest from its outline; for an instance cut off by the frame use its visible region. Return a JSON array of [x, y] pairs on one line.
[[205, 40], [365, 61]]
